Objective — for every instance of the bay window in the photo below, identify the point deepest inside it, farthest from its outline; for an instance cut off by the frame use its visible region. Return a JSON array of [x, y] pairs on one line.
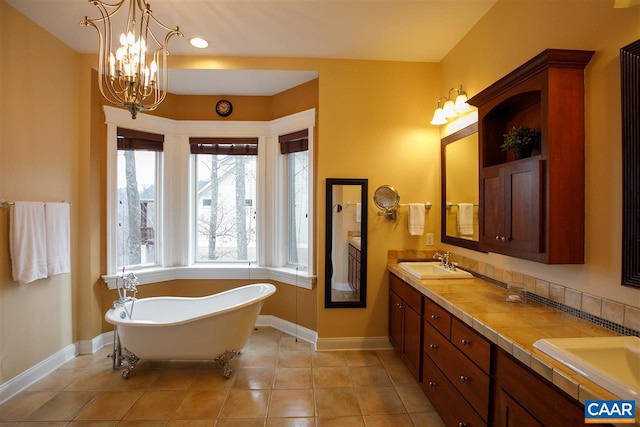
[[210, 199]]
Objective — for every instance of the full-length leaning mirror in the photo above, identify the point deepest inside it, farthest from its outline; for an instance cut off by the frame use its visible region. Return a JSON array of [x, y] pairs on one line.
[[346, 243], [459, 168]]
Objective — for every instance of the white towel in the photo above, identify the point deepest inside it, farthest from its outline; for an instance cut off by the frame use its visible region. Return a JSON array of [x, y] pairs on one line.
[[358, 212], [58, 238], [465, 219], [27, 242], [416, 219]]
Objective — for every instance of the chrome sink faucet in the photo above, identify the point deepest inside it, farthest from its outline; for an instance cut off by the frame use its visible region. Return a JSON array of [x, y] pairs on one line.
[[445, 260]]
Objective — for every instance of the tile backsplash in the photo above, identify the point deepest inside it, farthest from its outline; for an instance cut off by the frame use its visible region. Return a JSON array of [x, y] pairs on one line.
[[613, 315]]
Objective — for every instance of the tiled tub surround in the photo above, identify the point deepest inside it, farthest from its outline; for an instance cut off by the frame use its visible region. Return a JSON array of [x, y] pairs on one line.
[[620, 318], [514, 327]]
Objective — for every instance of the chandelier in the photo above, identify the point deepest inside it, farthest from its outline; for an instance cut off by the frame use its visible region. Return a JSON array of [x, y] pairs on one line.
[[134, 76]]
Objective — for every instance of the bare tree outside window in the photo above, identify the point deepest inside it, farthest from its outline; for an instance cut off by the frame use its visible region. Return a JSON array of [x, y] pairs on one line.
[[136, 208], [298, 203], [225, 226]]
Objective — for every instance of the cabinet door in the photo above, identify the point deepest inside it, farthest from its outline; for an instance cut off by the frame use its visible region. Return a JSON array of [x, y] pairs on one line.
[[511, 414], [395, 321], [412, 346], [511, 208], [492, 206], [550, 406], [523, 202]]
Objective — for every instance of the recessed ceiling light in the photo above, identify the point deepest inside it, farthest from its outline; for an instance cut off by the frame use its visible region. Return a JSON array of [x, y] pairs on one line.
[[199, 43]]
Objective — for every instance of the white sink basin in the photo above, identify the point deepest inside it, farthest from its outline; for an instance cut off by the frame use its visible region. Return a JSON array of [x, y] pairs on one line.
[[433, 270], [611, 362]]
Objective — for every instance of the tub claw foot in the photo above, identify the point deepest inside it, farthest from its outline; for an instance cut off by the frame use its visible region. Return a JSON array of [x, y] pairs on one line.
[[131, 361], [225, 360]]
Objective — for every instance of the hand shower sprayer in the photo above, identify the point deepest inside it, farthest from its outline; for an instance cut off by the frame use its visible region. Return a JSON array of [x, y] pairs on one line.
[[125, 284]]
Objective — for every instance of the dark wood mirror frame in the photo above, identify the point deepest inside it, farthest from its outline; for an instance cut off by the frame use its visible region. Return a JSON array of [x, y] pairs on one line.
[[630, 95], [361, 301], [456, 136]]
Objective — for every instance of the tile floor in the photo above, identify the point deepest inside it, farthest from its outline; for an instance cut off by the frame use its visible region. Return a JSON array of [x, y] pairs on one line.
[[278, 381]]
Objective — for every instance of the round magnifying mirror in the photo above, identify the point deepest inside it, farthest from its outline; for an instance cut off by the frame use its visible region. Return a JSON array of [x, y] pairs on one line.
[[387, 199]]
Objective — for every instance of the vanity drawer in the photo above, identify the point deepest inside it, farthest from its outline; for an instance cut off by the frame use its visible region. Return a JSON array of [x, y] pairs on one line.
[[447, 401], [409, 295], [437, 317], [470, 380], [472, 344]]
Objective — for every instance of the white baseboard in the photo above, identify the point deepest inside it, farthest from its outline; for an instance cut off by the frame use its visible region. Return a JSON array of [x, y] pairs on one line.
[[36, 372], [50, 364], [288, 327]]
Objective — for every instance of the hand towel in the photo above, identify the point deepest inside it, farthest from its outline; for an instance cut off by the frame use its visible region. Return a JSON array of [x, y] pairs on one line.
[[58, 238], [465, 219], [27, 242], [358, 212], [416, 219]]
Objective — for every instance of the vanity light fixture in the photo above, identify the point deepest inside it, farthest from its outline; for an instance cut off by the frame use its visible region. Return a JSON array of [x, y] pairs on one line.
[[439, 116], [133, 75], [451, 108]]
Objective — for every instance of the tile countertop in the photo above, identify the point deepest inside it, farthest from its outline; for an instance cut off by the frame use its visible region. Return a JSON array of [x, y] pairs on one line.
[[514, 326], [354, 241]]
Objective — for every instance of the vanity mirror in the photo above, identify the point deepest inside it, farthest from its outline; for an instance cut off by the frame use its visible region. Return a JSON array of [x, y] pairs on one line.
[[346, 243], [459, 169]]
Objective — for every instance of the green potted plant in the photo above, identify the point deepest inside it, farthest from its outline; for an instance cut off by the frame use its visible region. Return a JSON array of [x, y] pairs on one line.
[[521, 140]]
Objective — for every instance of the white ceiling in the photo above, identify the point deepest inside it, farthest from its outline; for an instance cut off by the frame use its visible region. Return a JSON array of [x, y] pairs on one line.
[[391, 30]]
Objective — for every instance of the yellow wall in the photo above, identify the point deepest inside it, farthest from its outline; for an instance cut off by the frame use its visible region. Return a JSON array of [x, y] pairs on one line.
[[365, 129], [39, 140], [511, 33], [372, 123]]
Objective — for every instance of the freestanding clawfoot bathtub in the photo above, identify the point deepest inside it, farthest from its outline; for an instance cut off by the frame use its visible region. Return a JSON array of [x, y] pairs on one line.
[[214, 327]]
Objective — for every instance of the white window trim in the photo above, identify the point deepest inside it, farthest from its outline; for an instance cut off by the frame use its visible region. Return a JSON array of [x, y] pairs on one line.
[[176, 260]]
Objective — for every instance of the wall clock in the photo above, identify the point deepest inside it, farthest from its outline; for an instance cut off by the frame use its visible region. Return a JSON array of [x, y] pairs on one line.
[[224, 108]]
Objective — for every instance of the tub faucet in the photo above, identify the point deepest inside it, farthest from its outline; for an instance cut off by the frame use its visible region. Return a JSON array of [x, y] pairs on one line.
[[126, 284]]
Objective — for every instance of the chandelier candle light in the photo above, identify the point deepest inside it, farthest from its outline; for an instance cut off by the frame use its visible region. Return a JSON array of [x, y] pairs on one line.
[[135, 76]]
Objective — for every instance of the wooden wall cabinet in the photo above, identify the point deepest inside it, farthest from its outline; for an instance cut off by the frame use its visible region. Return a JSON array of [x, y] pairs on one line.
[[534, 208], [405, 323], [512, 207]]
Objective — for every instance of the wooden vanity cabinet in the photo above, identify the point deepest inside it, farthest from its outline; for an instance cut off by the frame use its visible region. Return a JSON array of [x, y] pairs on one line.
[[353, 270], [523, 398], [448, 402], [534, 208], [405, 323], [456, 368], [468, 380]]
